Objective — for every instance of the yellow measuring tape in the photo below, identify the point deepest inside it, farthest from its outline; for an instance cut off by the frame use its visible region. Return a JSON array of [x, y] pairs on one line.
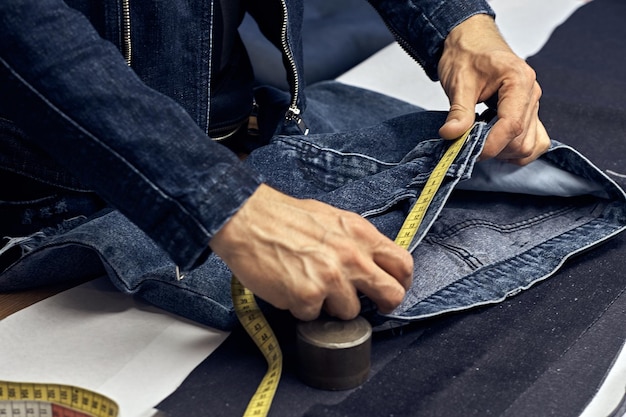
[[21, 399], [257, 327], [51, 400], [418, 211], [255, 323]]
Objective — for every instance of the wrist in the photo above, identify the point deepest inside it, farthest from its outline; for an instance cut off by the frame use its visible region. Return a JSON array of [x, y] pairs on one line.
[[474, 32]]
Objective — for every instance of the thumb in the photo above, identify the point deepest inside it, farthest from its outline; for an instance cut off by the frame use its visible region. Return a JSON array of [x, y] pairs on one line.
[[460, 118]]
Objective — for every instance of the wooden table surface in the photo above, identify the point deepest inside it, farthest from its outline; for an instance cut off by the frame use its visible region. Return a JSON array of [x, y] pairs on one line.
[[11, 302]]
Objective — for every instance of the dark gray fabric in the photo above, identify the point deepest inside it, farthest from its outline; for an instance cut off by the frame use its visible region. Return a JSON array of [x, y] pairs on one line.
[[582, 71], [510, 360]]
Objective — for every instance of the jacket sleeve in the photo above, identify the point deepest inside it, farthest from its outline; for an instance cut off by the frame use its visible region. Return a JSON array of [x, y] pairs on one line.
[[421, 26], [76, 97]]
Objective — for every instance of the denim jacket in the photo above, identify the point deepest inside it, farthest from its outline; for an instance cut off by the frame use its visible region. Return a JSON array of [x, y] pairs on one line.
[[134, 82]]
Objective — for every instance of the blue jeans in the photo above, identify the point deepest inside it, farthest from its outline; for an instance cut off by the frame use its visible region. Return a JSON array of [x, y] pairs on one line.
[[492, 230]]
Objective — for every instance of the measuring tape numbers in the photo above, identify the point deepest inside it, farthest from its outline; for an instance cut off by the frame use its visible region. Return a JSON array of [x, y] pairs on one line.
[[25, 399], [258, 328], [255, 323], [414, 219]]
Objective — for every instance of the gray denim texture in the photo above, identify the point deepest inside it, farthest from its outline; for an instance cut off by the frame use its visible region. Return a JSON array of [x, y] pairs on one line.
[[492, 230]]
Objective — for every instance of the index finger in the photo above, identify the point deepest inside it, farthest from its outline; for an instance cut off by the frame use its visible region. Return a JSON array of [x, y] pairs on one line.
[[516, 103], [392, 277]]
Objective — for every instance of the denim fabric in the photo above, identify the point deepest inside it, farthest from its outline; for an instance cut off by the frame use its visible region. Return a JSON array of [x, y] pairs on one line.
[[492, 230], [144, 150], [140, 150], [421, 31], [478, 244], [143, 130]]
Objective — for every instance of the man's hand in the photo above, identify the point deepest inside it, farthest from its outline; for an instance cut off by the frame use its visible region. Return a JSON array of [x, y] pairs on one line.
[[304, 255], [475, 65]]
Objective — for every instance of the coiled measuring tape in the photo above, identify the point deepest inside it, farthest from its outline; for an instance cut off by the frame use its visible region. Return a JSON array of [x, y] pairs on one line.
[[51, 400], [23, 399], [255, 323]]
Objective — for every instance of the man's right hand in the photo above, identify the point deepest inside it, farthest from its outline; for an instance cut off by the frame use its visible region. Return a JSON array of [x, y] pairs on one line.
[[475, 65], [304, 255]]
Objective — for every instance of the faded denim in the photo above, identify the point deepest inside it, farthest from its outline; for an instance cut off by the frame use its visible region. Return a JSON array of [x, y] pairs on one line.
[[492, 230]]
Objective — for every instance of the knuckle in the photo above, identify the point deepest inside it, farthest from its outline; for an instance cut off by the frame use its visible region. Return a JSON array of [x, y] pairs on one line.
[[307, 308], [346, 314], [312, 296], [489, 153], [393, 300], [305, 315], [352, 222], [350, 259], [517, 127], [407, 264], [398, 298], [529, 72], [527, 149], [346, 223], [332, 279], [538, 91], [523, 72], [458, 108]]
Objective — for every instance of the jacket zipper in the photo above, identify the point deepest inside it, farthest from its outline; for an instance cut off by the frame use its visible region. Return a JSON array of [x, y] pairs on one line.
[[403, 43], [127, 48], [293, 112]]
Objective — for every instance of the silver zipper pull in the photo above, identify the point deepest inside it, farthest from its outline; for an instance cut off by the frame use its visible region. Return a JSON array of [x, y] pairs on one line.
[[179, 275], [293, 114]]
